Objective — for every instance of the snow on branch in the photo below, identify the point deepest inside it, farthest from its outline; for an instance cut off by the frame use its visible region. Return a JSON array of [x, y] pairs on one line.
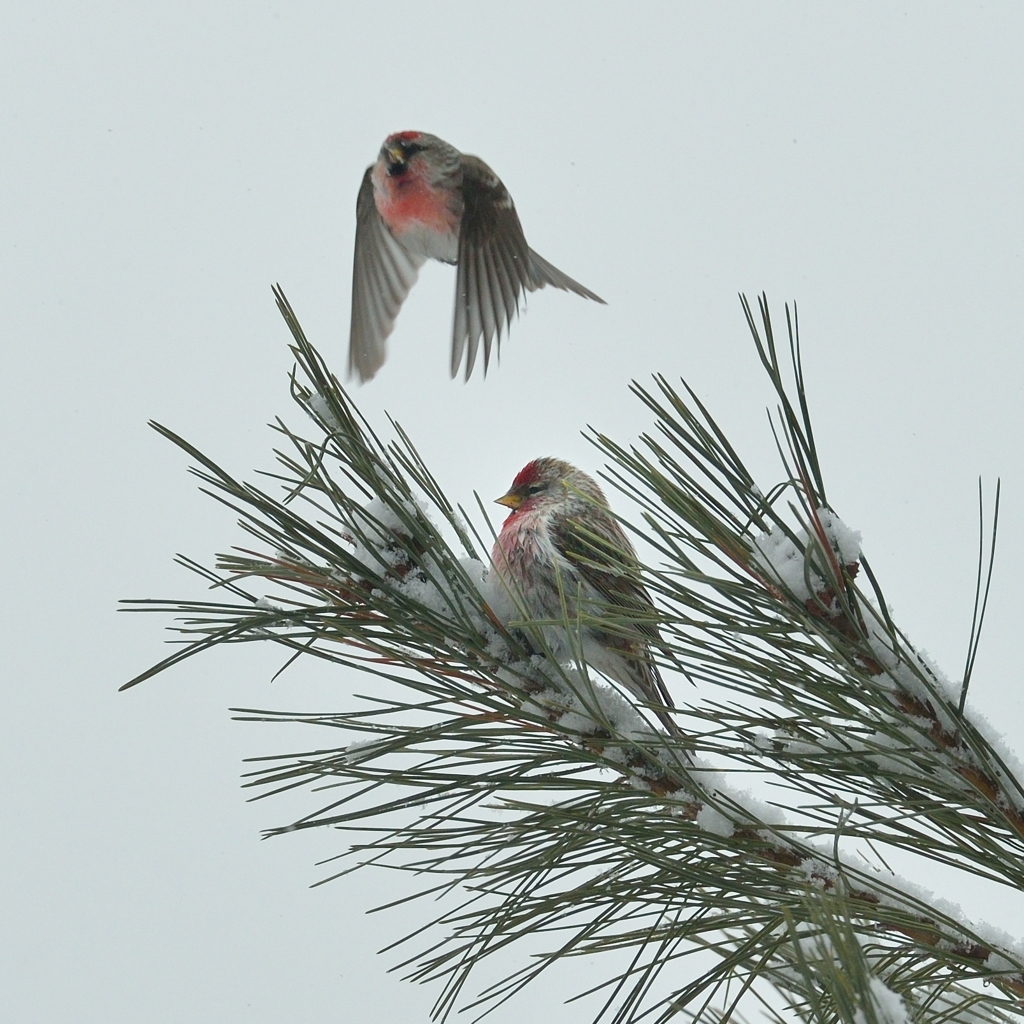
[[552, 795]]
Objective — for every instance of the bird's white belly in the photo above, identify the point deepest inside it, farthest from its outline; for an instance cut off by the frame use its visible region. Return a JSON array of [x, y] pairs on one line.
[[536, 582], [422, 240]]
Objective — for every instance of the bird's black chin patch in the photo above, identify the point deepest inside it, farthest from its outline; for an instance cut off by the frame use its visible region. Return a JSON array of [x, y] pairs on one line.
[[397, 169]]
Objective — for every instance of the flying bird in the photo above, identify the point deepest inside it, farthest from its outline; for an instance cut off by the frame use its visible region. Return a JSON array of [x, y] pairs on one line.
[[561, 554], [423, 199]]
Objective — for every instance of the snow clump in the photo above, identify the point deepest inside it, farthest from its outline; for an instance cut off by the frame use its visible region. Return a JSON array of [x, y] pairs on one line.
[[784, 557]]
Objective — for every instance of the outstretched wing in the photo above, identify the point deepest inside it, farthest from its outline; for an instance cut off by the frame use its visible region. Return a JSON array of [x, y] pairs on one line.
[[495, 266], [383, 271]]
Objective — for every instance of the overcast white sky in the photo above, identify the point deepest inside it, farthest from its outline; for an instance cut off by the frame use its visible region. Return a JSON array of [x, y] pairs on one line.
[[163, 164]]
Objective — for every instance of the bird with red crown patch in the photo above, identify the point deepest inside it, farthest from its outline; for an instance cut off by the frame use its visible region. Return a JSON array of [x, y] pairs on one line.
[[421, 200], [561, 554]]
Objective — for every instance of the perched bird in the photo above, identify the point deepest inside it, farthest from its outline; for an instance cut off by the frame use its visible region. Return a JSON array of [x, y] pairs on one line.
[[424, 199], [561, 544]]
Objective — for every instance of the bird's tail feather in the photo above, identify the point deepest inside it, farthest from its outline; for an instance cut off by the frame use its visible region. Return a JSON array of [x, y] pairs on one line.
[[544, 273]]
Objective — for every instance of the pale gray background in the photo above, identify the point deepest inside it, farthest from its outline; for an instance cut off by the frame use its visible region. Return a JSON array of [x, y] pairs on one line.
[[162, 164]]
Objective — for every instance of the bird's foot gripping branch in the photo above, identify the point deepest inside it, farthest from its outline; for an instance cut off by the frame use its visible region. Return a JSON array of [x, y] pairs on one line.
[[618, 831]]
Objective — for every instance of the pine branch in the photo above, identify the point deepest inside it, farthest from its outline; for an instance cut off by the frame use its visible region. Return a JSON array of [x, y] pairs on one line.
[[613, 835]]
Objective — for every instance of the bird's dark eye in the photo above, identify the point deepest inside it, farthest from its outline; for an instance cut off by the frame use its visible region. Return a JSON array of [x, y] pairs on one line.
[[535, 488], [409, 148]]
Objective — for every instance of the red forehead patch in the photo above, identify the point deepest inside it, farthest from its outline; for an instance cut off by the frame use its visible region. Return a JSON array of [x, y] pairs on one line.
[[403, 137], [527, 474]]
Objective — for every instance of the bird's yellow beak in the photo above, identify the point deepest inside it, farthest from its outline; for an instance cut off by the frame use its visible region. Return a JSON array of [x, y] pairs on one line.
[[397, 155], [509, 500]]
